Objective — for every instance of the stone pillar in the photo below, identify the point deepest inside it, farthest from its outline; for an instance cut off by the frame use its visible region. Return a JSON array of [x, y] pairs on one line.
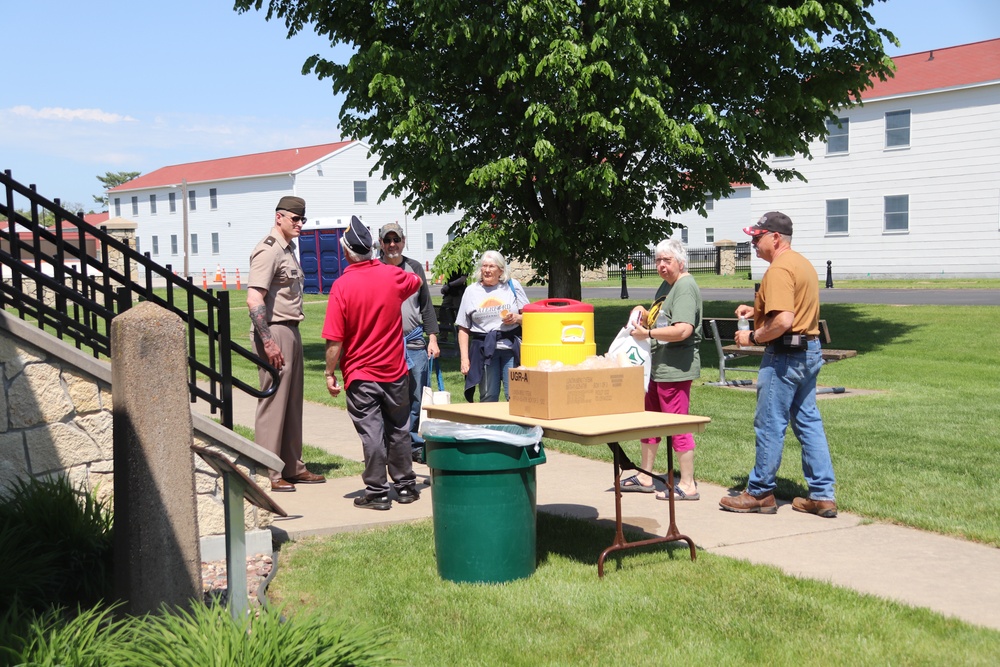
[[157, 560], [124, 231], [727, 257]]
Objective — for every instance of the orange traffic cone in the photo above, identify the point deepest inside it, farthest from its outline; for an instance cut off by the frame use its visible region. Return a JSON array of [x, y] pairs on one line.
[[204, 279], [237, 280], [218, 273], [223, 279]]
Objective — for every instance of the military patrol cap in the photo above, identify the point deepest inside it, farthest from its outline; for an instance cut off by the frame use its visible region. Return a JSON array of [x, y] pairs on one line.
[[296, 205]]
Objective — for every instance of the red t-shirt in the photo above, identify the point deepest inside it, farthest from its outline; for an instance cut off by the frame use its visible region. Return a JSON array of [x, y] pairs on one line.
[[365, 314]]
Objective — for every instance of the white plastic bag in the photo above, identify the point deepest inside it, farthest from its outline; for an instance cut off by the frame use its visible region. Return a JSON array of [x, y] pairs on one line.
[[628, 350], [431, 397], [508, 434], [428, 396]]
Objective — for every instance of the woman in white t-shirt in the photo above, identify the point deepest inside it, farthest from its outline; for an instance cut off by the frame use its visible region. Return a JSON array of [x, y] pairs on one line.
[[489, 328]]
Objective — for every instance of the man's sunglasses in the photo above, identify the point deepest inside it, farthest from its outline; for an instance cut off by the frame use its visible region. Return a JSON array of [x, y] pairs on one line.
[[295, 218]]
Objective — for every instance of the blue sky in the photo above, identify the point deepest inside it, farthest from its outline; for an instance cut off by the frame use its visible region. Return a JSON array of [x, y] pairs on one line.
[[110, 85]]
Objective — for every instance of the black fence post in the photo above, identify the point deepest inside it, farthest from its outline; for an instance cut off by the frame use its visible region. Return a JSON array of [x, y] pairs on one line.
[[624, 284], [829, 273]]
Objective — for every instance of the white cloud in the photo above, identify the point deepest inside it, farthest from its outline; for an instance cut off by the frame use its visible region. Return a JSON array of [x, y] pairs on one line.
[[61, 114]]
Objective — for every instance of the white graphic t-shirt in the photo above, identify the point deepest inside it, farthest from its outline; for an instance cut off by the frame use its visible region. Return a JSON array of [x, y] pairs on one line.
[[483, 308]]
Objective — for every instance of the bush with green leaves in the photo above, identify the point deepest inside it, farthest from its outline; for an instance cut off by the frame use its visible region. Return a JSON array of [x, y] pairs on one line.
[[56, 545], [200, 637]]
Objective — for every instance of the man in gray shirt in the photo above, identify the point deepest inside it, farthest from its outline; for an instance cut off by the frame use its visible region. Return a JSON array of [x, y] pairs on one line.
[[418, 319]]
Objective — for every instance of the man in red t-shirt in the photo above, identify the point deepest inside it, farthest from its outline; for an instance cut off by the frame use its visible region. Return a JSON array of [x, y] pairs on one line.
[[364, 336]]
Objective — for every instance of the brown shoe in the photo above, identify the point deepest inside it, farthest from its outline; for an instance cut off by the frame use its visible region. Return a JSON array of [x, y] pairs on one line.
[[745, 503], [824, 508], [282, 485], [306, 478]]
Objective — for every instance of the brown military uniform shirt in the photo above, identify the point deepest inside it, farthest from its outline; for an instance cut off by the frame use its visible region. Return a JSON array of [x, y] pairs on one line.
[[274, 267]]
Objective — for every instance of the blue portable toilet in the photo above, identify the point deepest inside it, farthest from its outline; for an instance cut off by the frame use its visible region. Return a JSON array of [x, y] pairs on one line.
[[320, 254]]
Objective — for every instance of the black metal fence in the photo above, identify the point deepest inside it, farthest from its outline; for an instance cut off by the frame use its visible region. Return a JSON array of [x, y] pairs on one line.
[[642, 264], [41, 283]]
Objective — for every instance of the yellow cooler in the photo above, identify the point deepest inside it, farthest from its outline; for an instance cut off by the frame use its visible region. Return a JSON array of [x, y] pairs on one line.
[[557, 330]]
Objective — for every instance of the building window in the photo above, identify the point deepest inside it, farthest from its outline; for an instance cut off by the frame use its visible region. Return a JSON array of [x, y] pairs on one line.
[[173, 244], [897, 213], [118, 207], [684, 235], [430, 241], [319, 170], [897, 129], [194, 244], [172, 199], [152, 204], [838, 137], [836, 216], [156, 245], [360, 192], [710, 203], [135, 206], [192, 201], [213, 198], [710, 235], [215, 243]]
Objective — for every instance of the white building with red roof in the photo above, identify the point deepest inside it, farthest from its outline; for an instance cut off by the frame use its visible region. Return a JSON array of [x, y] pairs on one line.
[[907, 185], [230, 205]]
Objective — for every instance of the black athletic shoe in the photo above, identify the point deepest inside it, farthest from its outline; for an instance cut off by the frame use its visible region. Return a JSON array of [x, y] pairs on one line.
[[417, 454], [374, 502], [408, 495]]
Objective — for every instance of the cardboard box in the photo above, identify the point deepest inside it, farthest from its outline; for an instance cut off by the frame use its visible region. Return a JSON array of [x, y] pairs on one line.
[[576, 393]]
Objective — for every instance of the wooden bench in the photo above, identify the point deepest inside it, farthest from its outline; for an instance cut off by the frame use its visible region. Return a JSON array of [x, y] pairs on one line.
[[720, 329]]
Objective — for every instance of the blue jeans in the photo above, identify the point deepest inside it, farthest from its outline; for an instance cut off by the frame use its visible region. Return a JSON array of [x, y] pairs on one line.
[[495, 371], [786, 391], [417, 361]]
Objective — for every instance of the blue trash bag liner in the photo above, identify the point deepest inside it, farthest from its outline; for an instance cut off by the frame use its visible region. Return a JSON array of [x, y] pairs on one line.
[[508, 434]]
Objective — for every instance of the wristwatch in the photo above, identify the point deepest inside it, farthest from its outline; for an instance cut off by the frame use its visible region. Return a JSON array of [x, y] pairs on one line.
[[753, 339]]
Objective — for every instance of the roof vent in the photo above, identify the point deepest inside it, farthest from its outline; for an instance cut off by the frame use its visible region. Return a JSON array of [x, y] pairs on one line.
[[931, 56]]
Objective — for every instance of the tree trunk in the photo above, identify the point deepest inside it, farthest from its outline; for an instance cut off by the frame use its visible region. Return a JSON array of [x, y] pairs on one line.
[[564, 278]]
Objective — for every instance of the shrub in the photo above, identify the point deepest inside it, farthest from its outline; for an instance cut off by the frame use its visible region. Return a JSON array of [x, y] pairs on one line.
[[59, 543]]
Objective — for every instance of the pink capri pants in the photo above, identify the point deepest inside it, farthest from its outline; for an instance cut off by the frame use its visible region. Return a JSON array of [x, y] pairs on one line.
[[674, 398]]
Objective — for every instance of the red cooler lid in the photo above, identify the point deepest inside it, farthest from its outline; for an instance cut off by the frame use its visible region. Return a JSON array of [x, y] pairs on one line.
[[558, 306]]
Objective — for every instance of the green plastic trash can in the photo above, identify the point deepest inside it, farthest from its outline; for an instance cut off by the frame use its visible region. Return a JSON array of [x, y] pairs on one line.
[[483, 500]]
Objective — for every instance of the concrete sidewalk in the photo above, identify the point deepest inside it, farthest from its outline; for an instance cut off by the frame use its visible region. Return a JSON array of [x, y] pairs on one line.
[[950, 576]]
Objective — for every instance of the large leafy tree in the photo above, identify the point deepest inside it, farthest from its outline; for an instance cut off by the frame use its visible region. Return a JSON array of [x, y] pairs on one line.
[[571, 122]]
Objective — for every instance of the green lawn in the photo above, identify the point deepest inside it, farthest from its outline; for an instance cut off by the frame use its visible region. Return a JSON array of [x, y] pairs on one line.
[[654, 607], [922, 452]]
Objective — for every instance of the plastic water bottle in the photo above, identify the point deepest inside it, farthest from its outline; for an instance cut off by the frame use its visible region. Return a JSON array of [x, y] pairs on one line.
[[743, 325]]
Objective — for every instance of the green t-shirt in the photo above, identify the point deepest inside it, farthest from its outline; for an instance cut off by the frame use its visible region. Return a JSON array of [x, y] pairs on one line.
[[676, 362]]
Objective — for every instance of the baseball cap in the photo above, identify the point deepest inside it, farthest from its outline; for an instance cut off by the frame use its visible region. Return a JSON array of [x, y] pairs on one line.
[[392, 227], [774, 221]]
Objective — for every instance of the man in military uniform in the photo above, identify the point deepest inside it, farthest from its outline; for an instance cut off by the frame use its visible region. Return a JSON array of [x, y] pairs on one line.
[[274, 297]]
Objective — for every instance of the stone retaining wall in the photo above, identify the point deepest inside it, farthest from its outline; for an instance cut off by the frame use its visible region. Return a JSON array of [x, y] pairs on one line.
[[56, 419]]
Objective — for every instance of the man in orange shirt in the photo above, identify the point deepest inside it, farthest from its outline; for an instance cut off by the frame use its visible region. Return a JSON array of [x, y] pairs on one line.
[[786, 320]]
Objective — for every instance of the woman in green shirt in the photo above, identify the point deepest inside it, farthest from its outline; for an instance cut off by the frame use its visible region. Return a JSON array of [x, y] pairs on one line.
[[674, 338]]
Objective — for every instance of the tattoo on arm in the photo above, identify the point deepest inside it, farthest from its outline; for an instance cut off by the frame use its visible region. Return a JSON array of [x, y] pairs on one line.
[[258, 315]]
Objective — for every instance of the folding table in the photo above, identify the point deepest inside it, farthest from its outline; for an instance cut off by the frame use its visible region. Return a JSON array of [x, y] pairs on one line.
[[596, 430]]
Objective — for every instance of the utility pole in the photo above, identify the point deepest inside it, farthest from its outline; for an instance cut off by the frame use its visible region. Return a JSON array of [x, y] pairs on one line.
[[184, 196]]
